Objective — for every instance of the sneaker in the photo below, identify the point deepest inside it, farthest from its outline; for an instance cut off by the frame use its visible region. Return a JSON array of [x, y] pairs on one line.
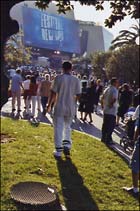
[[57, 155], [131, 191], [44, 112], [110, 142], [102, 140], [66, 152], [84, 120]]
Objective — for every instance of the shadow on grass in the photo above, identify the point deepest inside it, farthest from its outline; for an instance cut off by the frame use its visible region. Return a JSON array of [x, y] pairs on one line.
[[22, 116], [85, 127], [75, 193], [125, 156]]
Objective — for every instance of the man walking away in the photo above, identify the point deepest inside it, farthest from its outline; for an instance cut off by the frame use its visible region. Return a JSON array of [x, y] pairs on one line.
[[65, 91], [26, 85]]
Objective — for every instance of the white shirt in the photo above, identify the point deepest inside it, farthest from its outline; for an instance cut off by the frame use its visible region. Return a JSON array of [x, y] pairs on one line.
[[110, 93], [84, 81], [67, 87], [26, 84], [16, 83]]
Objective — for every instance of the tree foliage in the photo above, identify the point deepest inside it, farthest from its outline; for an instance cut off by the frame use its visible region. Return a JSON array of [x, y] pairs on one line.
[[16, 53], [99, 61], [119, 8], [122, 63], [126, 37]]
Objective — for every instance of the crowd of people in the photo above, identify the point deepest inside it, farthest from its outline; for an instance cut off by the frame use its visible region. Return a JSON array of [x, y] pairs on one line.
[[35, 87], [68, 93]]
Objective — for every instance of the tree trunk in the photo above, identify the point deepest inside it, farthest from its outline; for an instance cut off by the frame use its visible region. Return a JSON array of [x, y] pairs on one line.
[[8, 28]]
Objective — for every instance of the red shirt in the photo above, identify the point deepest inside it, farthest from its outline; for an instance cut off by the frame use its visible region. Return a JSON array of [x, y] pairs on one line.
[[33, 89]]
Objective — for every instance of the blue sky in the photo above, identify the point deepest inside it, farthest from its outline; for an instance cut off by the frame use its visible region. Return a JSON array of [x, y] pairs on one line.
[[89, 13]]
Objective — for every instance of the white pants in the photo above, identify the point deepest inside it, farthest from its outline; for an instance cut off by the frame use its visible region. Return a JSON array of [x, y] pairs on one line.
[[33, 101], [39, 102], [62, 132]]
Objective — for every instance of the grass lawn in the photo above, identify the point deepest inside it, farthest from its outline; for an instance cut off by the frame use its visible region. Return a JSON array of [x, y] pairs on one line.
[[92, 180]]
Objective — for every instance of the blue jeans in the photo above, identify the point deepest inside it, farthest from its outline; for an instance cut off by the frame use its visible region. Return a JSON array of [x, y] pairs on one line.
[[109, 122]]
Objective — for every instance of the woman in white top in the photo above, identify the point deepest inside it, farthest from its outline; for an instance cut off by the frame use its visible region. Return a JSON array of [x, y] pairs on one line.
[[26, 85]]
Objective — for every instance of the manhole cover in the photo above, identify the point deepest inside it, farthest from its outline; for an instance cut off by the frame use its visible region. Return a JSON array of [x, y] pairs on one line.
[[34, 193], [5, 138]]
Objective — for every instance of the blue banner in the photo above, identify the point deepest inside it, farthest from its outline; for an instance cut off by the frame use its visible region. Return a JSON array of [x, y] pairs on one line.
[[49, 31]]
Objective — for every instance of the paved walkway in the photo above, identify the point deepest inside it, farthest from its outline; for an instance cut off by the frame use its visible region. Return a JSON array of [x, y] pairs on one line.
[[91, 129]]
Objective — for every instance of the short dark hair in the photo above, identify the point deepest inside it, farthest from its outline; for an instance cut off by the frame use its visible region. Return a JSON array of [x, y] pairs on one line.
[[28, 76], [18, 71], [67, 65], [126, 86], [113, 80], [84, 84], [33, 79]]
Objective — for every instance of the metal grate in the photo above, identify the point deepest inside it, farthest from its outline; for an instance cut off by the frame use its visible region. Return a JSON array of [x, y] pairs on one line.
[[33, 193]]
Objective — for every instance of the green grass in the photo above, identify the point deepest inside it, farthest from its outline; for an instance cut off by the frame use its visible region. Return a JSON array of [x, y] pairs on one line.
[[92, 180]]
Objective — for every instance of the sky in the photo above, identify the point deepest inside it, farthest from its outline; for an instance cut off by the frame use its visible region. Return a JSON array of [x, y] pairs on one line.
[[89, 13]]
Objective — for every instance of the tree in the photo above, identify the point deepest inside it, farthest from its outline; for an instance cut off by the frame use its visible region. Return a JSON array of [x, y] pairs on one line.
[[119, 8], [99, 61], [124, 64], [126, 37], [16, 53], [82, 65]]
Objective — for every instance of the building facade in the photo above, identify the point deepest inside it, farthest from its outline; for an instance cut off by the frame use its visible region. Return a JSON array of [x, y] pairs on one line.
[[91, 37], [97, 37]]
